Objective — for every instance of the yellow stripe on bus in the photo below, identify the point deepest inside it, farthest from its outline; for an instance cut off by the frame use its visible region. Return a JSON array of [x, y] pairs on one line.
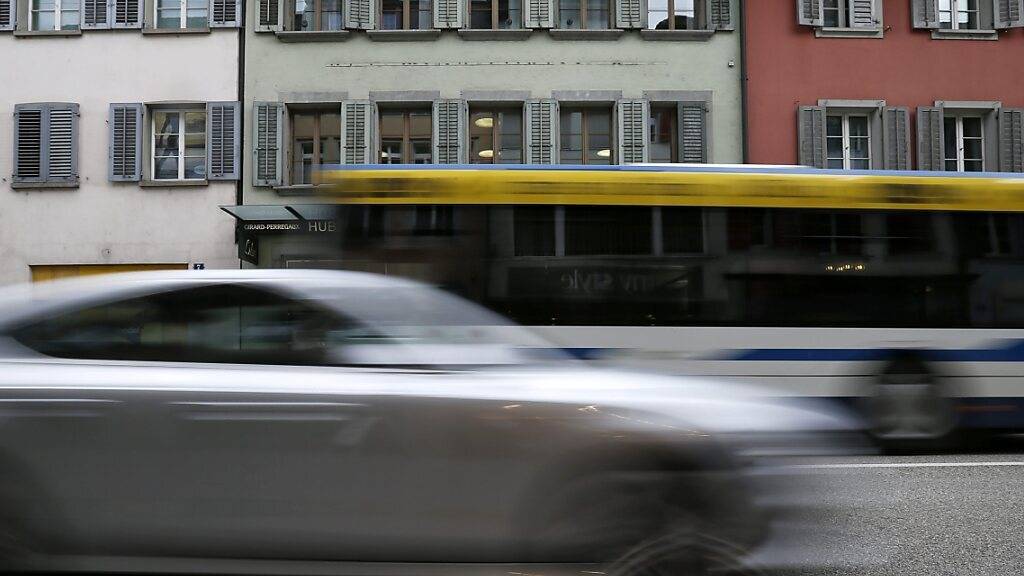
[[652, 188]]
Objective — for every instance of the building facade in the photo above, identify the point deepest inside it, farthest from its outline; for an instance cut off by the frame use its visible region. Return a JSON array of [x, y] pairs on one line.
[[886, 84], [477, 81], [119, 135]]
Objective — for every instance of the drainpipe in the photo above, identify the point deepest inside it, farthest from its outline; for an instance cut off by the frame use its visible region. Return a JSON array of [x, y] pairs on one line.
[[744, 128]]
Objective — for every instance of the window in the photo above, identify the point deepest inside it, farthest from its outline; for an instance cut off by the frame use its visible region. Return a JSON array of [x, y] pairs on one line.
[[664, 146], [496, 136], [848, 141], [584, 14], [586, 136], [959, 15], [316, 140], [682, 230], [534, 230], [675, 15], [405, 136], [405, 15], [45, 145], [607, 230], [845, 18], [964, 144], [495, 14], [434, 221], [181, 14], [179, 144], [317, 15], [55, 14], [818, 232]]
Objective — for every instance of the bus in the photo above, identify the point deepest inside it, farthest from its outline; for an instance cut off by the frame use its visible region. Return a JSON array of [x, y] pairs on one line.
[[900, 294]]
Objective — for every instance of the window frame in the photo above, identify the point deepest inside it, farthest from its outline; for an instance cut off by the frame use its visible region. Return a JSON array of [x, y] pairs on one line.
[[406, 12], [182, 16], [318, 13], [182, 110], [585, 133], [845, 137], [407, 141], [955, 10], [700, 16], [494, 11], [496, 131], [961, 159], [672, 110], [318, 112], [57, 17], [609, 22]]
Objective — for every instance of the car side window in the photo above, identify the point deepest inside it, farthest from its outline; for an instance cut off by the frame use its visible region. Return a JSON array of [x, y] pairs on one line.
[[220, 323]]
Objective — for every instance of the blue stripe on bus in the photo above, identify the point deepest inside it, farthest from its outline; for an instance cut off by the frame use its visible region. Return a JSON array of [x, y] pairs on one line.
[[1014, 352]]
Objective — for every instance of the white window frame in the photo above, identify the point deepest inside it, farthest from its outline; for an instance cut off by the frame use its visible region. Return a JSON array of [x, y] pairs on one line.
[[182, 13], [181, 143], [955, 10], [847, 160], [57, 12], [843, 8], [960, 148]]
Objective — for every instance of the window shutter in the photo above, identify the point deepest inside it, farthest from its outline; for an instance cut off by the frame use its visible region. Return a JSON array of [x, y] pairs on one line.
[[62, 143], [268, 118], [925, 14], [125, 148], [449, 132], [95, 15], [225, 13], [357, 132], [448, 13], [46, 143], [720, 12], [126, 14], [862, 14], [896, 138], [811, 128], [632, 119], [693, 132], [223, 146], [628, 14], [809, 12], [1009, 14], [361, 14], [929, 138], [28, 143], [541, 131], [1011, 139], [7, 12], [539, 13], [269, 17]]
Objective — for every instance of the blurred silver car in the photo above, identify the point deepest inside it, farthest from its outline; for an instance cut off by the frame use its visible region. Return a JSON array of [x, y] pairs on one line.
[[317, 421]]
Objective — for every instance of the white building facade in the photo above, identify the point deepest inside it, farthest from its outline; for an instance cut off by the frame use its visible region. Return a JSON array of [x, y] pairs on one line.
[[119, 135]]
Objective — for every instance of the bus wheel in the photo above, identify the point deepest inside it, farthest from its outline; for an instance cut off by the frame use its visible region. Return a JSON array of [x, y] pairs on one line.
[[907, 409]]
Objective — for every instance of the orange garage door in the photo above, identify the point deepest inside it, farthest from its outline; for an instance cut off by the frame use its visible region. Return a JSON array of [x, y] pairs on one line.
[[52, 272]]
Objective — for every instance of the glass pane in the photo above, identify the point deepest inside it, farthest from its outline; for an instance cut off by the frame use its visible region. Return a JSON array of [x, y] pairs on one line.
[[571, 122], [168, 4], [195, 151], [481, 138], [421, 151], [598, 14], [43, 20], [511, 122], [510, 14], [195, 122], [419, 15], [951, 165], [859, 148], [303, 126], [391, 152], [661, 134], [599, 122], [195, 4], [165, 169], [166, 145], [972, 127], [196, 18], [949, 129], [330, 124], [600, 142], [330, 15], [834, 147], [44, 5], [860, 164], [596, 230], [195, 168], [69, 20], [391, 124], [658, 20], [836, 164], [391, 15], [480, 14], [571, 142], [569, 14], [195, 140], [973, 166], [511, 142], [419, 124], [833, 125], [972, 149], [858, 125], [168, 19], [302, 161], [682, 230]]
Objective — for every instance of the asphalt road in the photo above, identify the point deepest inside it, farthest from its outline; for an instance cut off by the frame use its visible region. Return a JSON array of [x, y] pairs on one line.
[[909, 515]]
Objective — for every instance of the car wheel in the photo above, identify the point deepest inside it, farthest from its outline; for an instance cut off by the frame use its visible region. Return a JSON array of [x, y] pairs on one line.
[[907, 409], [683, 551]]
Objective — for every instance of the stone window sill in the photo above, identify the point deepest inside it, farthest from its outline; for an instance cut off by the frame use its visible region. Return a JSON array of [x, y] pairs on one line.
[[164, 31], [313, 36], [677, 35], [43, 185], [38, 33], [849, 32], [499, 35], [403, 35], [965, 35], [173, 183], [595, 35], [296, 189]]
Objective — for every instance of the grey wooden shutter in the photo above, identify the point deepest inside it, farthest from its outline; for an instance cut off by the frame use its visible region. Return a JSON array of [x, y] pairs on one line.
[[7, 12], [811, 130], [268, 120], [269, 17], [1009, 13], [1011, 139], [809, 12], [225, 13], [862, 14], [28, 143], [693, 132], [929, 138], [62, 143], [541, 131], [223, 135], [95, 14], [632, 117], [449, 134], [720, 15], [925, 14], [46, 143], [124, 153], [360, 14], [539, 13], [448, 13], [126, 13], [896, 138], [357, 132], [628, 14]]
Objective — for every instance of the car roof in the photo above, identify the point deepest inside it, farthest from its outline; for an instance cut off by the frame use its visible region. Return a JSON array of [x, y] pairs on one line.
[[26, 300]]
